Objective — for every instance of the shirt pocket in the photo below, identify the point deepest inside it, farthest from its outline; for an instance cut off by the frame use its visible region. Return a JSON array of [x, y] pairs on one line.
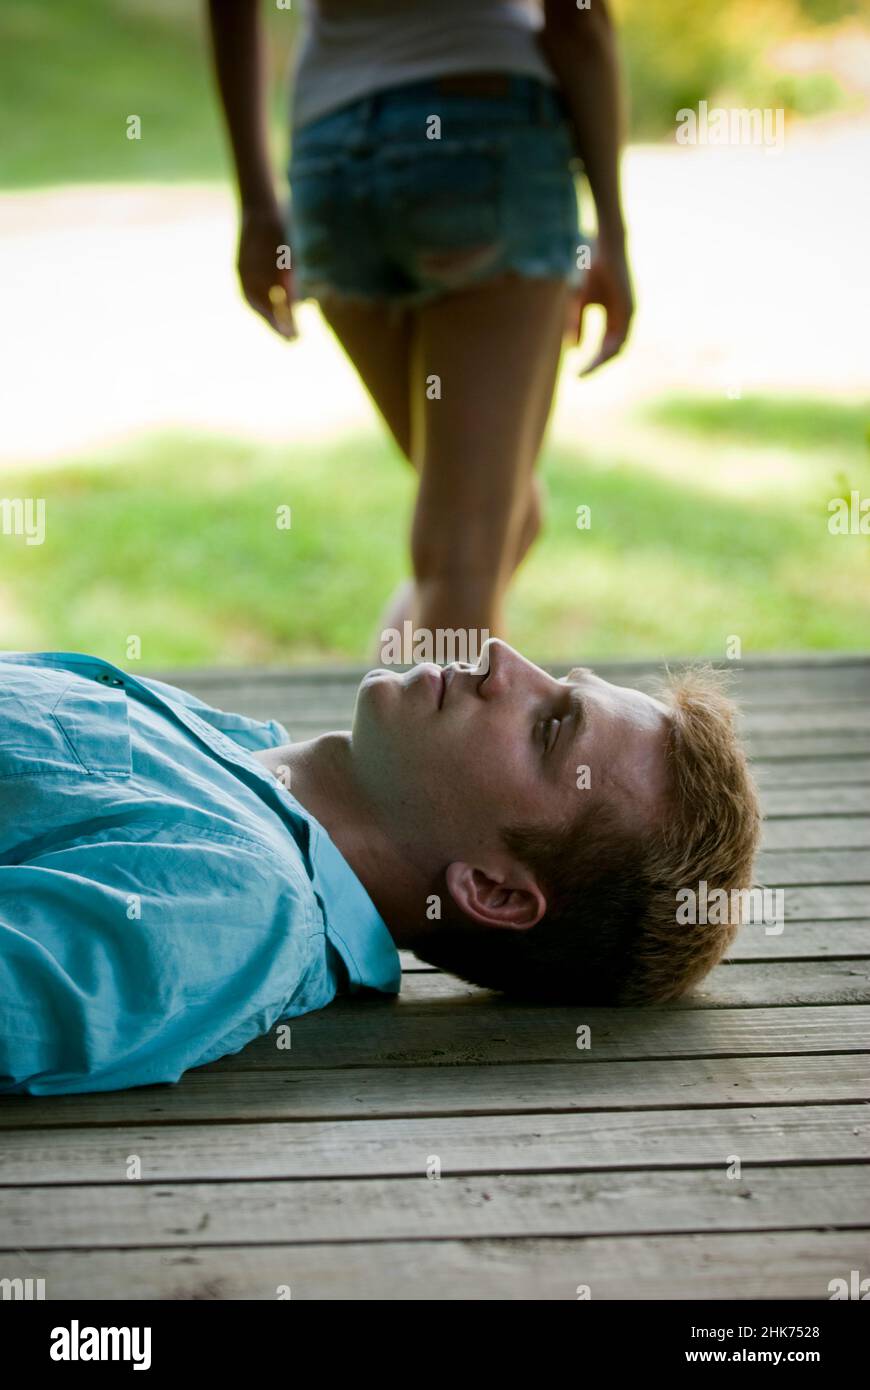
[[53, 723]]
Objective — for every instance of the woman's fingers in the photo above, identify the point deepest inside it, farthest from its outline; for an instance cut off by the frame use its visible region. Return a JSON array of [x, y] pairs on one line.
[[611, 344], [608, 285], [272, 301], [282, 311], [266, 283], [582, 303]]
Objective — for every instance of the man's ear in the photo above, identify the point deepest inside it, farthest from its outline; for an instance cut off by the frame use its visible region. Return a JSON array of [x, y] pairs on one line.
[[495, 904]]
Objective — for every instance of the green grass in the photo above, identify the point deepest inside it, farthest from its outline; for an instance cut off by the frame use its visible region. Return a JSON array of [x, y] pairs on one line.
[[174, 540], [765, 420], [71, 74]]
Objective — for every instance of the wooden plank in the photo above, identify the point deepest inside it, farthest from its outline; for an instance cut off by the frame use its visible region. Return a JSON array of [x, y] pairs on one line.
[[754, 982], [789, 746], [437, 1021], [464, 1144], [821, 717], [817, 832], [845, 940], [762, 970], [773, 980], [504, 1205], [826, 903], [812, 772], [774, 983], [798, 801], [805, 866], [830, 866], [748, 984], [762, 1265], [805, 940], [206, 1098]]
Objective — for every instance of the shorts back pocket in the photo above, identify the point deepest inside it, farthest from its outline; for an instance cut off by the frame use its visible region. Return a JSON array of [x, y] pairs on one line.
[[444, 194]]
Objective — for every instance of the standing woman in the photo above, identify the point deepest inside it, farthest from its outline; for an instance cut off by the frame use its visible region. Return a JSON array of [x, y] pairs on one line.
[[434, 219]]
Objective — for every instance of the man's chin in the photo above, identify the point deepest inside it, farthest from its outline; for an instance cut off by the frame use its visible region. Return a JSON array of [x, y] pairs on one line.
[[374, 681], [375, 693]]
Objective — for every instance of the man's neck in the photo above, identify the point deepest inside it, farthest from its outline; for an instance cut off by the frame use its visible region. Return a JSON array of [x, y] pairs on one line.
[[320, 774]]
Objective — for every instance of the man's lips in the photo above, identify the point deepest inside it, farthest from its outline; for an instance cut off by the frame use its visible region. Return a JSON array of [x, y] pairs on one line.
[[429, 674], [447, 676], [438, 678]]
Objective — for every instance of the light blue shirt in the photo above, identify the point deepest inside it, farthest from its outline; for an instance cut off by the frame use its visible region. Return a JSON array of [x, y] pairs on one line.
[[163, 898]]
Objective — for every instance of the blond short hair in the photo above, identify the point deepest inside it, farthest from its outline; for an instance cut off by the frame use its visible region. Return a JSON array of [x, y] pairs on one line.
[[711, 834]]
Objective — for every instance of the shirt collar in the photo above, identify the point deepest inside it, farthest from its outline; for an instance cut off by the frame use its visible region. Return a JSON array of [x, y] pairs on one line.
[[353, 923]]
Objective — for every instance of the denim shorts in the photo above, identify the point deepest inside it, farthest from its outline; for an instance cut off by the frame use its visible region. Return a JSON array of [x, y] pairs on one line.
[[412, 192]]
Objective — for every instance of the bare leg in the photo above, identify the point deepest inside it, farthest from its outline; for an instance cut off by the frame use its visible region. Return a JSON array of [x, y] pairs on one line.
[[377, 338], [381, 341], [495, 349]]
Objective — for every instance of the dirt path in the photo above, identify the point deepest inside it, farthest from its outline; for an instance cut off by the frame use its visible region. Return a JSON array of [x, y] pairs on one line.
[[121, 312]]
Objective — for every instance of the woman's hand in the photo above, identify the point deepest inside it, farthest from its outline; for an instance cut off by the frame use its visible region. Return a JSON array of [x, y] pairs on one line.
[[608, 283], [266, 284]]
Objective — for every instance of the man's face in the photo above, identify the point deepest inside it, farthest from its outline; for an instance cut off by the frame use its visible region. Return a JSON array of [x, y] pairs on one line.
[[448, 757]]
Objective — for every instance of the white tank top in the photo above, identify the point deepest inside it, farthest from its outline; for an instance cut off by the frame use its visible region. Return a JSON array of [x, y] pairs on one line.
[[349, 48]]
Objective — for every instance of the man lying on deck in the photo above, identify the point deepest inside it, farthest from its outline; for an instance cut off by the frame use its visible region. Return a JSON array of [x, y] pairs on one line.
[[165, 897]]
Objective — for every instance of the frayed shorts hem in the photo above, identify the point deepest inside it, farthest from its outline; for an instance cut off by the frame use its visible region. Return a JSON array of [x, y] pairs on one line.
[[308, 288]]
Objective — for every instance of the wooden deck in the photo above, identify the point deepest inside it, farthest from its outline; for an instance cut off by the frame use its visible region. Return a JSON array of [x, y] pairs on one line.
[[560, 1167]]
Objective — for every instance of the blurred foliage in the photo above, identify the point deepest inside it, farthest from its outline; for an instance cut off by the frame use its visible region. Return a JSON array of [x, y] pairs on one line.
[[831, 11], [680, 52], [71, 73]]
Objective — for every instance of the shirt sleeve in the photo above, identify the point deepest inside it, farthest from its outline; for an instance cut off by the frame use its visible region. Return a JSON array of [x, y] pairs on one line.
[[121, 965]]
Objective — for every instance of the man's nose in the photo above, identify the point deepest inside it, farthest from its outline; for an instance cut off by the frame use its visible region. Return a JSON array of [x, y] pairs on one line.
[[525, 676], [495, 652], [504, 669]]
